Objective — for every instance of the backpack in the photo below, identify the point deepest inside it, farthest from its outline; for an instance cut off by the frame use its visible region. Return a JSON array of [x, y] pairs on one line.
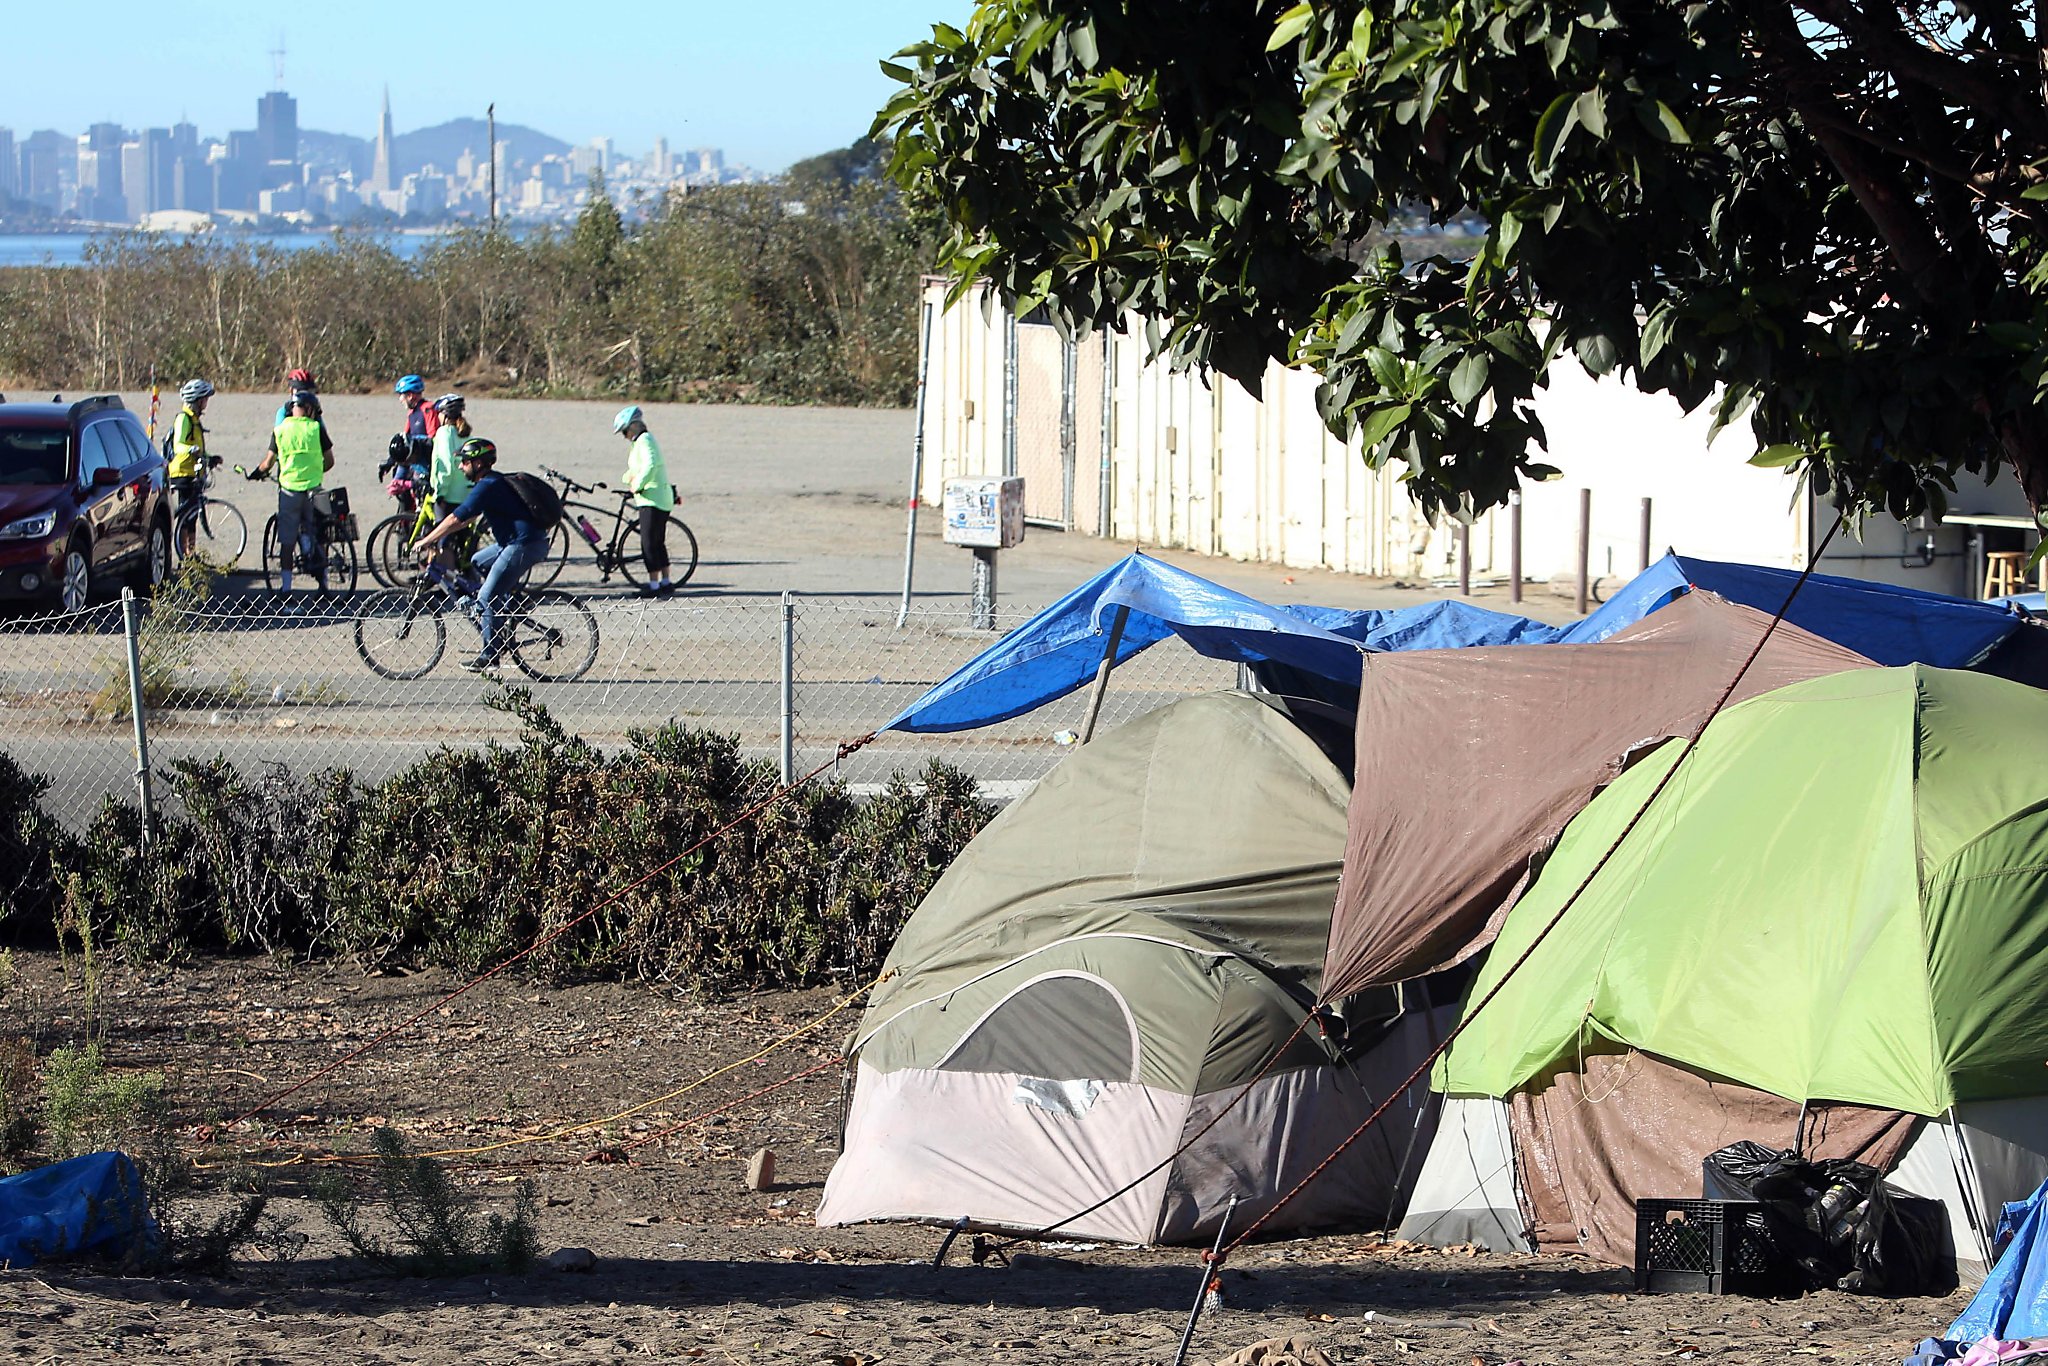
[[539, 496]]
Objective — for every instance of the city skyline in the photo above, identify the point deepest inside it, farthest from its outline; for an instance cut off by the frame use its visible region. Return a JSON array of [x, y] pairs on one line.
[[770, 84], [176, 176]]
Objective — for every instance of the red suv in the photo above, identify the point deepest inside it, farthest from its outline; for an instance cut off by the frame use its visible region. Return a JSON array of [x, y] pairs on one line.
[[81, 500]]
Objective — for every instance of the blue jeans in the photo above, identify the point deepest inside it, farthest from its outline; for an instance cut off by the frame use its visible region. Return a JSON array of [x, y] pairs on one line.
[[298, 538], [504, 568]]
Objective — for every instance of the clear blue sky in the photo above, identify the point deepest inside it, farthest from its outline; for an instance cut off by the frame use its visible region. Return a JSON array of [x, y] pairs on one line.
[[771, 82]]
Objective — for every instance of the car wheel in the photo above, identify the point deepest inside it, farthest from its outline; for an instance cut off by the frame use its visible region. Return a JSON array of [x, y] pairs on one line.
[[74, 591], [156, 558]]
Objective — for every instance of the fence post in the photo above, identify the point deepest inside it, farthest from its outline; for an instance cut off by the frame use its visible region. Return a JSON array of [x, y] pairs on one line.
[[1644, 557], [788, 752], [1514, 545], [131, 626], [1585, 546]]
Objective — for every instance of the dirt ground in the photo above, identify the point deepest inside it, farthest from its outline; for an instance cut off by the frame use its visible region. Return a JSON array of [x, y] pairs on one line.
[[693, 1266]]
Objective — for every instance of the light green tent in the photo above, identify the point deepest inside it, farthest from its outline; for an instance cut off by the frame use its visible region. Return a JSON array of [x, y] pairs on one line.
[[1106, 970], [1843, 896]]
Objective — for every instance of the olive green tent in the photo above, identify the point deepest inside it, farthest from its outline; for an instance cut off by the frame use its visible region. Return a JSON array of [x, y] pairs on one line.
[[1107, 968], [1841, 897]]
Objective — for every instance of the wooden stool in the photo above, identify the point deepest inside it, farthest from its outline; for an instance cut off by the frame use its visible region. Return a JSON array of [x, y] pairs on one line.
[[2004, 570]]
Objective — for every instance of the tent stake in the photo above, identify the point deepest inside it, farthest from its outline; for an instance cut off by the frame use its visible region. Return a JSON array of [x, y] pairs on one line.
[[1116, 636], [1212, 1267]]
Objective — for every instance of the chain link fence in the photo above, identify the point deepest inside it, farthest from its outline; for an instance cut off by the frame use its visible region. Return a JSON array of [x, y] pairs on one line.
[[277, 679]]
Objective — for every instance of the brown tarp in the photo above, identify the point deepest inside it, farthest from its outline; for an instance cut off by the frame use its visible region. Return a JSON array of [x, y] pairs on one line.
[[1470, 763], [1589, 1145]]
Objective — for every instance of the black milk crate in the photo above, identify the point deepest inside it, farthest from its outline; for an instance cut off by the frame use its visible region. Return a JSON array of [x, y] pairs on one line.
[[1719, 1247]]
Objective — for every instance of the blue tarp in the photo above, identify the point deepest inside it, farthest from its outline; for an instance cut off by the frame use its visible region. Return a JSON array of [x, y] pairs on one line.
[[1883, 622], [93, 1204], [2013, 1301], [1057, 651]]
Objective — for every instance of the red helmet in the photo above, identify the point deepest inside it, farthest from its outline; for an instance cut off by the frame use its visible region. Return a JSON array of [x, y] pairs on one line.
[[299, 379]]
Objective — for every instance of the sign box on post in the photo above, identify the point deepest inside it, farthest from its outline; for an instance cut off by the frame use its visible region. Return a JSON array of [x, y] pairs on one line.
[[986, 514]]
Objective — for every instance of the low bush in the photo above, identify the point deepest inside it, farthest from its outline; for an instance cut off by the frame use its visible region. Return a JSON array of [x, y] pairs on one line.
[[437, 1232], [469, 856]]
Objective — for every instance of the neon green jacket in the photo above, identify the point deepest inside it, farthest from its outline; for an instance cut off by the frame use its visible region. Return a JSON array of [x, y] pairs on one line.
[[444, 472], [647, 475], [188, 445], [301, 463]]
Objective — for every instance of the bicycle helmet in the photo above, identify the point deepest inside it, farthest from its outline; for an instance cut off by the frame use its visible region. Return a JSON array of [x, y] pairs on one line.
[[628, 415], [300, 379], [194, 390], [449, 403], [306, 401], [479, 449], [409, 384]]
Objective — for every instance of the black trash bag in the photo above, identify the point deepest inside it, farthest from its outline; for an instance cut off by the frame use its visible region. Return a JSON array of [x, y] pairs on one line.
[[1835, 1222]]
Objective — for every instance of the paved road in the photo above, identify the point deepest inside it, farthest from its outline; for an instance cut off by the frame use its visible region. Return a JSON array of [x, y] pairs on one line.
[[806, 500]]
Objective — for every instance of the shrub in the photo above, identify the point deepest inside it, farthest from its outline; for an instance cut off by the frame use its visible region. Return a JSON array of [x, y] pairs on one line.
[[88, 1109], [438, 1234], [470, 856]]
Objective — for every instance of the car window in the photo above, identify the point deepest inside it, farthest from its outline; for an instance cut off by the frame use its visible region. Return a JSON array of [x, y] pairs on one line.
[[34, 455], [93, 453], [138, 444]]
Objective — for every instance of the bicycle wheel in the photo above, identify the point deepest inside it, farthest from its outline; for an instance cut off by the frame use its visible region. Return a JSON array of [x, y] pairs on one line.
[[217, 530], [388, 548], [270, 562], [554, 637], [344, 567], [549, 567], [400, 633], [682, 553]]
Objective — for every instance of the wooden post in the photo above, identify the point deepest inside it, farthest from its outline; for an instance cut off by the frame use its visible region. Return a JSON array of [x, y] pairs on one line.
[[1585, 547], [1116, 636]]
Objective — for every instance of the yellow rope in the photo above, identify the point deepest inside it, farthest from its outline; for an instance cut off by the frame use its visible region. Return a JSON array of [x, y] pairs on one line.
[[566, 1131]]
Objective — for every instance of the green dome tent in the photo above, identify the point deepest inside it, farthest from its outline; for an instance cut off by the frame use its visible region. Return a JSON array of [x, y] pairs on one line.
[[1106, 968], [1841, 898]]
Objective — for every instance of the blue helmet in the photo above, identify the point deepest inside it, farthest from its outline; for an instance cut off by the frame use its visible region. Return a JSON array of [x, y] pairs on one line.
[[410, 384], [627, 416]]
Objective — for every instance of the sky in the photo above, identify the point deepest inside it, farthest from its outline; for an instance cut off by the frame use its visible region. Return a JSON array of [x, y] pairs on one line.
[[770, 82]]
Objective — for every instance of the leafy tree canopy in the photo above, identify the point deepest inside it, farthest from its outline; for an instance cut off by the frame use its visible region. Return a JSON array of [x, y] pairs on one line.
[[1829, 212]]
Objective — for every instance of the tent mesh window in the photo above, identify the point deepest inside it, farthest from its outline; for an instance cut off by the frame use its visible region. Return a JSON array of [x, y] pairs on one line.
[[1065, 1028]]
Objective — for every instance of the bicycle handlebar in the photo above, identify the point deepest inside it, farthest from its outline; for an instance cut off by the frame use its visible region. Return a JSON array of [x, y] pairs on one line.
[[551, 472]]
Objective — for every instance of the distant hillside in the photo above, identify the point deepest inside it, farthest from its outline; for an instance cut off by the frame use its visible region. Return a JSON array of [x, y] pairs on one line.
[[334, 152], [442, 144]]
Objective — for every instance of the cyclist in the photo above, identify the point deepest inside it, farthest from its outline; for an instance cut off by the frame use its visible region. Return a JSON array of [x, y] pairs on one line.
[[295, 382], [421, 422], [187, 469], [647, 476], [444, 470], [302, 455], [521, 539]]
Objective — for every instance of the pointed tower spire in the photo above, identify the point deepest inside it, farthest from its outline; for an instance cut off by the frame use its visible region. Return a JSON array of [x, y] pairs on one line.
[[380, 168]]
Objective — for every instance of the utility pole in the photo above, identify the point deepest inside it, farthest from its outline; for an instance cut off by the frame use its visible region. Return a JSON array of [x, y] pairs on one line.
[[491, 121]]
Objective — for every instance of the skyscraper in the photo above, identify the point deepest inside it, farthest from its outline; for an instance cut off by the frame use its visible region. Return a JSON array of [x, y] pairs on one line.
[[380, 166], [277, 127], [8, 179]]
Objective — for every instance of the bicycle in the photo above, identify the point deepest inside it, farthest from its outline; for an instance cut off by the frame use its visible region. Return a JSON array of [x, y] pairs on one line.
[[210, 526], [388, 548], [621, 553], [334, 534], [400, 632]]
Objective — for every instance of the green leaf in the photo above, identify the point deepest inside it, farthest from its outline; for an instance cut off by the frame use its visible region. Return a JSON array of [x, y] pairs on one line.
[[1778, 457], [1380, 424], [1082, 40], [1591, 108], [1657, 332], [1290, 26], [1656, 116], [2035, 191], [1468, 381], [1552, 130], [2014, 336], [895, 71], [1386, 369]]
